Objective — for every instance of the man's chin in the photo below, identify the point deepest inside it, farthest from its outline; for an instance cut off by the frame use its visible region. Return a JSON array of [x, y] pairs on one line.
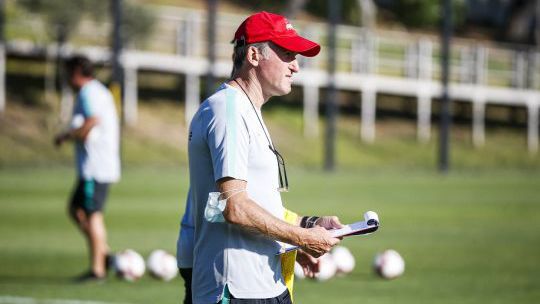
[[285, 91]]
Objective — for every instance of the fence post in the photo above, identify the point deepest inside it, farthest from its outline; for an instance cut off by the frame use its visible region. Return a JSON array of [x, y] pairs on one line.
[[424, 114], [50, 76], [130, 95], [520, 70], [311, 93], [479, 110], [369, 95], [532, 132], [195, 20], [480, 60], [533, 64], [367, 65], [412, 60], [466, 60], [424, 66], [311, 110], [181, 37], [304, 62], [364, 59], [356, 55], [479, 98]]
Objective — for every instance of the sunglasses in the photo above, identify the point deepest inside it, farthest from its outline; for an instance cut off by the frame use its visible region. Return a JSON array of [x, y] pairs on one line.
[[282, 172]]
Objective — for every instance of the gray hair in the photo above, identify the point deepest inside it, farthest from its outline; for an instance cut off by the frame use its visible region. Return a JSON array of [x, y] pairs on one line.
[[240, 52]]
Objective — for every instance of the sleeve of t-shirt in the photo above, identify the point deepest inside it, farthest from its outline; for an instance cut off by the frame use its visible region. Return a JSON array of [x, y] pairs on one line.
[[228, 140], [186, 237], [85, 104], [83, 110]]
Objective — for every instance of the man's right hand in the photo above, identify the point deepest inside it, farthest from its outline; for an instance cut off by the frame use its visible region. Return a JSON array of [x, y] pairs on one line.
[[318, 241], [59, 139]]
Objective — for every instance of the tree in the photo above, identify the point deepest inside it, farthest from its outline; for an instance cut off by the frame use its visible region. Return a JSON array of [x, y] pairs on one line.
[[425, 13], [137, 23], [62, 18], [349, 8]]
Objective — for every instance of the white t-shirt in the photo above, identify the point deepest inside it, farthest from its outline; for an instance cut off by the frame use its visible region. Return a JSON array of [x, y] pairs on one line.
[[98, 156], [227, 140]]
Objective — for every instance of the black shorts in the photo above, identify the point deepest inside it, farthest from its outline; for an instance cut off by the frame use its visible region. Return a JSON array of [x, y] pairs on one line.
[[284, 298], [186, 274], [89, 195]]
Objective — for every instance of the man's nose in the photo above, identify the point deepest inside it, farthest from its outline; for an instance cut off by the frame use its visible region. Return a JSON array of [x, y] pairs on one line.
[[294, 66]]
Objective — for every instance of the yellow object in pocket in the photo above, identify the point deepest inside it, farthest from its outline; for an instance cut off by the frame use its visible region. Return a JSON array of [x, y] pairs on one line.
[[289, 258]]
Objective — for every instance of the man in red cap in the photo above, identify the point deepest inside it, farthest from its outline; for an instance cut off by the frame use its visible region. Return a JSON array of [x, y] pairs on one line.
[[234, 207]]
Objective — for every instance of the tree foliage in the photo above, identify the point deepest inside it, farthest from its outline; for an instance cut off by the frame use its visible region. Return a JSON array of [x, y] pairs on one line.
[[137, 23], [350, 13], [63, 16], [410, 13], [425, 13]]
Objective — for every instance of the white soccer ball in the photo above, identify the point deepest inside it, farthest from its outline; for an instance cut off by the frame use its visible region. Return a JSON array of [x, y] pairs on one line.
[[327, 268], [162, 265], [298, 271], [389, 264], [129, 265], [343, 259]]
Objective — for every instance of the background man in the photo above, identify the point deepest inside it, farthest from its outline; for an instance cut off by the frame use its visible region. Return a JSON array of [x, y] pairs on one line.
[[95, 131], [231, 154]]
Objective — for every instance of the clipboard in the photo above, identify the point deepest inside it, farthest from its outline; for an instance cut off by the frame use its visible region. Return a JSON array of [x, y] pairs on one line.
[[368, 226]]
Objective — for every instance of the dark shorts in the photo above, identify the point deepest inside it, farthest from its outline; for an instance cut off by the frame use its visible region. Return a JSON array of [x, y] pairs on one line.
[[283, 298], [89, 196], [186, 274]]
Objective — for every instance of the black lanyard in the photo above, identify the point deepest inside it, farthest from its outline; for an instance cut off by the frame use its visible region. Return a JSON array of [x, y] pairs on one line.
[[283, 182]]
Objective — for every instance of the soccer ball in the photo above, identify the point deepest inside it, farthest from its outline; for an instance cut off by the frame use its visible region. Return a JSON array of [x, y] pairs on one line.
[[327, 268], [162, 265], [389, 264], [129, 265], [343, 259]]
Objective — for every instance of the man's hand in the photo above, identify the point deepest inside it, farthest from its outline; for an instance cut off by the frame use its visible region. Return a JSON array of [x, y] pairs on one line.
[[318, 241], [59, 139], [329, 222], [79, 134], [310, 265]]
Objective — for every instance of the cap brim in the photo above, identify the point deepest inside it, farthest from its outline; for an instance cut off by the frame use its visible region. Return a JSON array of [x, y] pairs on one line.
[[298, 44]]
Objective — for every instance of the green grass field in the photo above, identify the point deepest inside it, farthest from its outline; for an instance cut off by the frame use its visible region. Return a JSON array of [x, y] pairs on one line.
[[472, 236], [465, 237]]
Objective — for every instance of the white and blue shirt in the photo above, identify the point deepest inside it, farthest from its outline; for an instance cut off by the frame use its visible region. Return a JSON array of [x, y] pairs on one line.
[[186, 235], [98, 156], [226, 139]]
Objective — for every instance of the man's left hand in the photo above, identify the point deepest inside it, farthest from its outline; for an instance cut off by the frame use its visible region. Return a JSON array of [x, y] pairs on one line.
[[329, 222]]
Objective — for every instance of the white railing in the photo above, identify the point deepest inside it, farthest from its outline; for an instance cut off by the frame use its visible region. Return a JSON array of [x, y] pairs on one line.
[[390, 62], [182, 31]]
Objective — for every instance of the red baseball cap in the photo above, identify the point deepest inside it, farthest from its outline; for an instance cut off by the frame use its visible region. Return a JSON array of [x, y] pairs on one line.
[[264, 26]]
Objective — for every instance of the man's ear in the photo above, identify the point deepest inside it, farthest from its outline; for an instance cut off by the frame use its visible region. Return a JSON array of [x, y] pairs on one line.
[[253, 56]]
